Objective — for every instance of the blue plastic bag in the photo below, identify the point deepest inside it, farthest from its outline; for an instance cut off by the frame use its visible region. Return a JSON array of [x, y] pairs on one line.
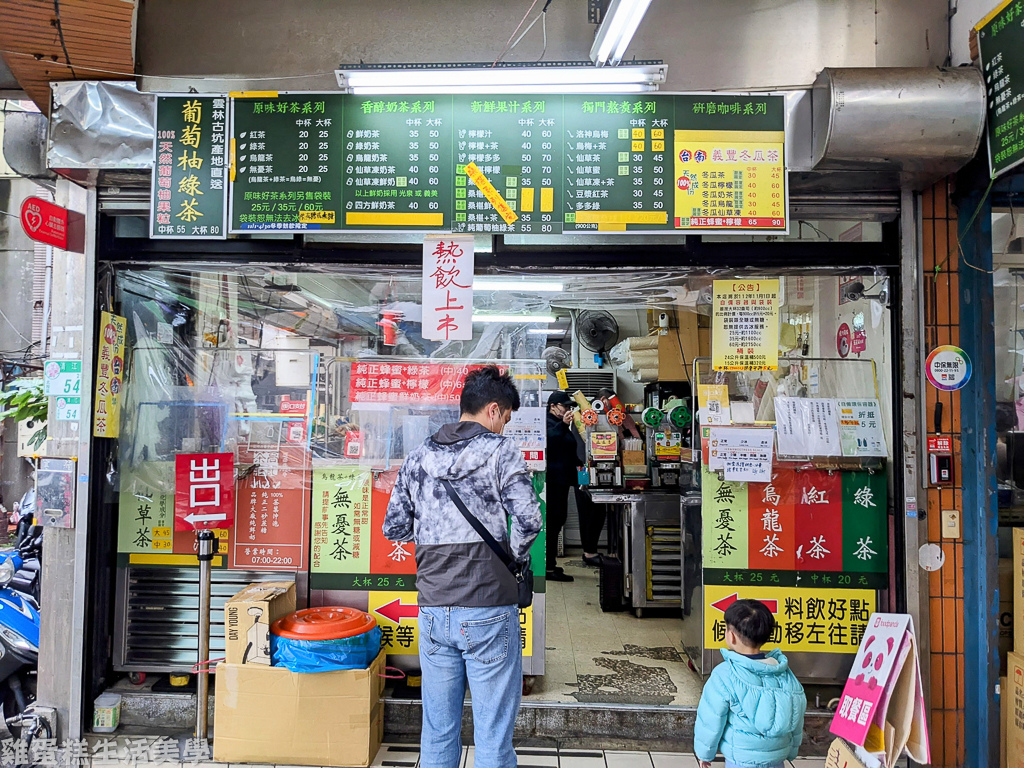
[[356, 652]]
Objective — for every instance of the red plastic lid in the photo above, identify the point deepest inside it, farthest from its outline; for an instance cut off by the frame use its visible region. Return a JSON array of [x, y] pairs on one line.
[[329, 622]]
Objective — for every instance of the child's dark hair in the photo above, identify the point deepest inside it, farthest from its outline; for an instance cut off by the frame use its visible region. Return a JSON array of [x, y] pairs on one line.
[[751, 620], [488, 385]]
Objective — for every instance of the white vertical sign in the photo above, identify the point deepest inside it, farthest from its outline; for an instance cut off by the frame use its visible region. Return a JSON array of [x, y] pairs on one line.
[[448, 288]]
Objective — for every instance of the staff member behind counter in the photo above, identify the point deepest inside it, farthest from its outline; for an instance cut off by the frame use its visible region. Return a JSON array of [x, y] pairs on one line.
[[565, 456]]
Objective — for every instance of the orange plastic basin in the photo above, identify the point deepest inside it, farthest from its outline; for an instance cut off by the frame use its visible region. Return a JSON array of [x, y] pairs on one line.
[[330, 622]]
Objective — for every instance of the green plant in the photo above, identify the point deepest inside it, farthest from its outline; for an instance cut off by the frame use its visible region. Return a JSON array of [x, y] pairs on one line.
[[24, 400]]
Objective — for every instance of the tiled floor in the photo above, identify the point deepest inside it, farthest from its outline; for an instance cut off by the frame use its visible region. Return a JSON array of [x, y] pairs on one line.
[[613, 658], [403, 756]]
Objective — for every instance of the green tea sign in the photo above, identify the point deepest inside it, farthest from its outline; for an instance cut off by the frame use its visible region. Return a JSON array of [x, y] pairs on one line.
[[1001, 46]]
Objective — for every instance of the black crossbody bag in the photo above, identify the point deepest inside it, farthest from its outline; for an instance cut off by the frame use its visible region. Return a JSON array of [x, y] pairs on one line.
[[523, 574]]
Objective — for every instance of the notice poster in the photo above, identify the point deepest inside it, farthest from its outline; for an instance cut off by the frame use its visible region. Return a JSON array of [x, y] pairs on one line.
[[528, 428], [109, 376], [448, 288], [341, 519], [807, 427], [272, 508], [714, 404], [808, 620], [745, 455], [745, 325], [860, 428]]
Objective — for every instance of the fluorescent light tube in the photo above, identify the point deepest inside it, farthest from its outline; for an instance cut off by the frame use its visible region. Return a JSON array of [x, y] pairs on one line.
[[583, 79], [620, 24], [548, 331], [539, 286], [513, 318]]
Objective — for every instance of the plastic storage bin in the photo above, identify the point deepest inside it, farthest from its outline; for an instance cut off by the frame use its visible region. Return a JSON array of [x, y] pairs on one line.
[[324, 640]]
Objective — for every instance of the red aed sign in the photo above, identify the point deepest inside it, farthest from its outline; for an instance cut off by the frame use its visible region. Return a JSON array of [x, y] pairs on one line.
[[45, 222], [204, 491]]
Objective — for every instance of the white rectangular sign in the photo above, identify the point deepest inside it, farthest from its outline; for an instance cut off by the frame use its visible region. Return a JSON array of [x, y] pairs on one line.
[[448, 288]]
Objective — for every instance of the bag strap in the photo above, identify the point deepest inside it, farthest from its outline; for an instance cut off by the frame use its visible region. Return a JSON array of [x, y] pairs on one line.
[[481, 530]]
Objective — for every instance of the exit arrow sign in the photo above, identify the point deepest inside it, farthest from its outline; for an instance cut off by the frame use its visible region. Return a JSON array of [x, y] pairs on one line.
[[396, 610], [723, 604]]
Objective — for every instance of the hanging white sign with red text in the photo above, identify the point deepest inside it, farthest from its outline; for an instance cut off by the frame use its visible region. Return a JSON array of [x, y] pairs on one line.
[[448, 288]]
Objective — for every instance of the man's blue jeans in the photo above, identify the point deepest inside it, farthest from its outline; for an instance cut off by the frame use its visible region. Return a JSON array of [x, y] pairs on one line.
[[480, 645]]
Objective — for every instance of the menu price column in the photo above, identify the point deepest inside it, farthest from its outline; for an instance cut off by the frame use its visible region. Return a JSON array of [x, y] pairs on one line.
[[397, 153], [617, 163], [285, 167], [513, 143]]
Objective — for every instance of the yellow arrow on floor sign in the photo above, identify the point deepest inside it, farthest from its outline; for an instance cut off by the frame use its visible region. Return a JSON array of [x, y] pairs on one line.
[[492, 195]]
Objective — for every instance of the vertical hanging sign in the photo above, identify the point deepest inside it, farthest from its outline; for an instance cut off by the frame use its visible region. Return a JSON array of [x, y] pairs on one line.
[[745, 325], [189, 195], [106, 421], [448, 288]]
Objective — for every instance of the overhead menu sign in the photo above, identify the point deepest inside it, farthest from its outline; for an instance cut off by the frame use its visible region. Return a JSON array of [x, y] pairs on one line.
[[1001, 47], [508, 164], [189, 194]]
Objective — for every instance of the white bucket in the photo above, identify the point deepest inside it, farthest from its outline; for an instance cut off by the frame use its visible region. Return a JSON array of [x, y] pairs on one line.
[[106, 713]]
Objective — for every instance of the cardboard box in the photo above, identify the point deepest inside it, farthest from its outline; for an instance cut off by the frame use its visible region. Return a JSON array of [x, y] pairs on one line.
[[1003, 709], [1005, 611], [1018, 590], [247, 619], [1014, 695], [841, 755], [271, 715]]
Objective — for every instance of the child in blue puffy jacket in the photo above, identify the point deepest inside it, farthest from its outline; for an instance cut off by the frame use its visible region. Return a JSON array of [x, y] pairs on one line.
[[752, 707]]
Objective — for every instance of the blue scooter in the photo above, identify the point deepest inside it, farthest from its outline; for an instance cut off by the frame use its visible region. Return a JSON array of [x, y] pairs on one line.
[[19, 625]]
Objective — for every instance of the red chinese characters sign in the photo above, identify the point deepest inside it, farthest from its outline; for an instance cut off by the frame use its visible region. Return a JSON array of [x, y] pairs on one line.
[[273, 508], [45, 222], [448, 288], [204, 491], [395, 383]]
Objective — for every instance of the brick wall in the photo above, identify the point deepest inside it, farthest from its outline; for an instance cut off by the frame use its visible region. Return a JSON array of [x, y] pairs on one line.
[[945, 668]]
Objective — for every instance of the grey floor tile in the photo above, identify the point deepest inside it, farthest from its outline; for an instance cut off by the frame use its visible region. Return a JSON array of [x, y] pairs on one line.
[[628, 759]]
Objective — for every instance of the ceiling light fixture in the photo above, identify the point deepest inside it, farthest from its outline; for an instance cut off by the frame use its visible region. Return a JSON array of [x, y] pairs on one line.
[[538, 286], [616, 31], [530, 319], [498, 80]]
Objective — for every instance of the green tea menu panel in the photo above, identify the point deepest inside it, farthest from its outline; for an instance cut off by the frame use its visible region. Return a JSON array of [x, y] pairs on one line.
[[509, 164], [1001, 48]]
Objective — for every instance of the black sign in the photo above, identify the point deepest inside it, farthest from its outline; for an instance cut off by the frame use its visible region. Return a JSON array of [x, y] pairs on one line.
[[189, 195], [1001, 45], [514, 164]]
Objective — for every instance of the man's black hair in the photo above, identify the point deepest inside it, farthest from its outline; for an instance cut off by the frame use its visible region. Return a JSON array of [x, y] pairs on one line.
[[485, 386], [751, 620]]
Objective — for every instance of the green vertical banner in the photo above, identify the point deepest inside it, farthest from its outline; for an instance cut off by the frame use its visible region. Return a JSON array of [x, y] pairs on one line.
[[190, 168], [725, 514], [538, 552], [1001, 50], [145, 515], [865, 522], [341, 519]]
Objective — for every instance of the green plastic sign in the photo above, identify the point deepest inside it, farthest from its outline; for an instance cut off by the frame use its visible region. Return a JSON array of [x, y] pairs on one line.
[[511, 164], [1001, 47]]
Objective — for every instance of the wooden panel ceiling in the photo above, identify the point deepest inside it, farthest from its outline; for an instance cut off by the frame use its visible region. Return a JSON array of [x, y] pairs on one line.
[[48, 40]]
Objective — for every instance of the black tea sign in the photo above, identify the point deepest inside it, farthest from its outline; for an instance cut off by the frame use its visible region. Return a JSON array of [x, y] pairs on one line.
[[189, 194], [1001, 45]]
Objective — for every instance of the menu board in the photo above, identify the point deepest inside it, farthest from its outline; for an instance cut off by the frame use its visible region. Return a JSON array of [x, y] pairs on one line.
[[1001, 49], [510, 164]]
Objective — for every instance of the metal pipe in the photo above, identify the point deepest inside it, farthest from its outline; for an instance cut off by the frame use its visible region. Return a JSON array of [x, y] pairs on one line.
[[206, 544]]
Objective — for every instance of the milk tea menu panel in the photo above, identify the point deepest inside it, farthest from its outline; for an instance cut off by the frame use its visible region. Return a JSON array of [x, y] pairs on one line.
[[508, 164]]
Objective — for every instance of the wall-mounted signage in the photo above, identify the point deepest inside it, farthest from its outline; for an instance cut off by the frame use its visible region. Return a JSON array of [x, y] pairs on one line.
[[1001, 49], [503, 164], [948, 368]]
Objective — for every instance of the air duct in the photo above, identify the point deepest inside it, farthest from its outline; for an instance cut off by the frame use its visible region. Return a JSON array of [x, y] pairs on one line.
[[924, 122]]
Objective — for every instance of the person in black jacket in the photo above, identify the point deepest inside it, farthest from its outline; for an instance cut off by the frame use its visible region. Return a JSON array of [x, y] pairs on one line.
[[561, 476]]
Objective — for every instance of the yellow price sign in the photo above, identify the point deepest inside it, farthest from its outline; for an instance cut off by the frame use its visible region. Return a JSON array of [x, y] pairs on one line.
[[316, 217], [493, 196]]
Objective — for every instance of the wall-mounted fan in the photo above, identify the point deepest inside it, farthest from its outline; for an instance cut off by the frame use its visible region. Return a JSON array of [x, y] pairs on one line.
[[557, 359], [597, 331]]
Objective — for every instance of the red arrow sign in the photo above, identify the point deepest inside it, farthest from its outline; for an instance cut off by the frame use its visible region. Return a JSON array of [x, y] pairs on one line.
[[723, 604], [396, 610]]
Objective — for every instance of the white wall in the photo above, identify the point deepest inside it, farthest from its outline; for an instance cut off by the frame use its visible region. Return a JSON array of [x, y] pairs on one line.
[[968, 13]]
